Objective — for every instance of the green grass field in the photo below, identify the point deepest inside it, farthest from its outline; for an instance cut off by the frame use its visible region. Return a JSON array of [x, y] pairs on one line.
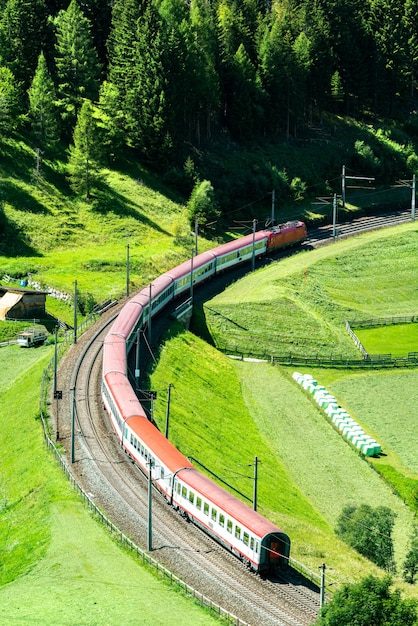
[[307, 473], [396, 339], [300, 304], [57, 565]]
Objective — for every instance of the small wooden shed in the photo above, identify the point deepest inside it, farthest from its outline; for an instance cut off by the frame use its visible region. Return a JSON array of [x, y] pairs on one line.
[[22, 304]]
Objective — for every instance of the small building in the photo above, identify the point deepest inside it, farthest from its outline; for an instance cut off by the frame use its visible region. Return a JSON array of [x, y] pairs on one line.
[[22, 304]]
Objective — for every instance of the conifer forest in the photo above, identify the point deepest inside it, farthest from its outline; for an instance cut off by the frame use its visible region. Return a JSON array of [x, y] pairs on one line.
[[169, 77]]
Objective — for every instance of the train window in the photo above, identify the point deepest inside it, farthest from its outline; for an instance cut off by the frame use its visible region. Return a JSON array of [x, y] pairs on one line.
[[229, 526], [252, 543], [191, 496], [142, 449], [246, 538], [221, 520], [198, 502], [237, 532], [184, 492], [178, 487], [256, 546], [214, 514], [132, 439], [206, 508], [162, 472]]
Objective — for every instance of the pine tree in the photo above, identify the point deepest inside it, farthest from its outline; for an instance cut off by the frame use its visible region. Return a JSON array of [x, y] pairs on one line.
[[9, 98], [23, 29], [122, 46], [84, 161], [42, 106], [206, 83], [77, 63]]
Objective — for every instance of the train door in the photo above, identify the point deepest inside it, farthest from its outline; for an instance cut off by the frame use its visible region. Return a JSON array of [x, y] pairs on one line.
[[275, 550]]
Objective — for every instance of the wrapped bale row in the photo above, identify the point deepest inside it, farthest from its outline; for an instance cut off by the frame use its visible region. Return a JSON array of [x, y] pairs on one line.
[[348, 428]]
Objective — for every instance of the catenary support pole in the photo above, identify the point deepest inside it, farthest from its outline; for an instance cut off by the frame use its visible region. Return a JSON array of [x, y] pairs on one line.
[[255, 483], [150, 506], [253, 254], [167, 413], [75, 310], [127, 270], [72, 425], [322, 591]]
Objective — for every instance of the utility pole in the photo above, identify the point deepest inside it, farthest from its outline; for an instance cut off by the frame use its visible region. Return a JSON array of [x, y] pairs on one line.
[[334, 216], [196, 234], [273, 199], [150, 314], [344, 178], [413, 200], [167, 413], [127, 270], [253, 255], [75, 311], [322, 590], [137, 371], [150, 464], [72, 425], [255, 483], [191, 279], [56, 394]]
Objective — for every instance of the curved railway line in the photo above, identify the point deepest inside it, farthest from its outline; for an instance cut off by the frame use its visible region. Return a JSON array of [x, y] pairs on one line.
[[120, 489]]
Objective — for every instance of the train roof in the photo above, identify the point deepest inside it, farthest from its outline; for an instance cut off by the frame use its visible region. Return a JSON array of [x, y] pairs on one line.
[[127, 318], [157, 444], [184, 268], [157, 285], [232, 506], [124, 396], [236, 244], [291, 225], [114, 354]]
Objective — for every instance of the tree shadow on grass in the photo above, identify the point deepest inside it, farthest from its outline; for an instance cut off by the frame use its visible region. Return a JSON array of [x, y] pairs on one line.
[[21, 199], [12, 241], [107, 200]]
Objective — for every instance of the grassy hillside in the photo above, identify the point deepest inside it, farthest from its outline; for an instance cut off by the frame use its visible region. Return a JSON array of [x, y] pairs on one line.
[[300, 304], [307, 473]]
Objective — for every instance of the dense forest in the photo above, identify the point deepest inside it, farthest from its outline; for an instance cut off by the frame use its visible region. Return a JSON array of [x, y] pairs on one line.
[[171, 78]]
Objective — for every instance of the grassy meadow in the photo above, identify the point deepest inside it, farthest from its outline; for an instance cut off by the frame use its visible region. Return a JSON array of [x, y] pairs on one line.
[[57, 565], [300, 304], [397, 339]]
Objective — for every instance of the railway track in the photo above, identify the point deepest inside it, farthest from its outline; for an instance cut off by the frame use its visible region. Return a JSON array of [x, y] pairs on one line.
[[326, 234], [117, 486]]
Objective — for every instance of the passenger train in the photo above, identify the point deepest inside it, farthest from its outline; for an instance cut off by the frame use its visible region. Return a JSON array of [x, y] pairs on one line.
[[247, 534]]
